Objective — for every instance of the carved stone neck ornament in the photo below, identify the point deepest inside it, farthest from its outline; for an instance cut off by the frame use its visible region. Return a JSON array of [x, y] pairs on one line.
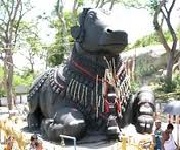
[[89, 94]]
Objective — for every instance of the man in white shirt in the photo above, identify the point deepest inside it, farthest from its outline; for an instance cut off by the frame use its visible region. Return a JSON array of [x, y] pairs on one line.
[[170, 143]]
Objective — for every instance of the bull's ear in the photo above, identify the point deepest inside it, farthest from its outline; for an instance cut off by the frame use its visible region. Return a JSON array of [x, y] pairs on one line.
[[75, 32]]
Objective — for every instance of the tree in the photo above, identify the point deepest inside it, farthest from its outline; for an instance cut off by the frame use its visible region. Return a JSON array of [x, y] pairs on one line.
[[63, 21], [12, 13], [30, 43], [152, 39], [76, 5], [102, 3], [59, 47], [161, 11]]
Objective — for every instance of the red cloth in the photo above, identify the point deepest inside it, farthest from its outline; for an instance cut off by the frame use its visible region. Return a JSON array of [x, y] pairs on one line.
[[106, 106]]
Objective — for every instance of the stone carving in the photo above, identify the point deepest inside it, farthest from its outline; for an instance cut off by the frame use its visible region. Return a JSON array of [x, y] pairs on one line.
[[91, 90]]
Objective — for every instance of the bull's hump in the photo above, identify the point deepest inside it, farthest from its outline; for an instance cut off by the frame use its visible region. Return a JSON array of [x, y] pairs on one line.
[[38, 84], [55, 79]]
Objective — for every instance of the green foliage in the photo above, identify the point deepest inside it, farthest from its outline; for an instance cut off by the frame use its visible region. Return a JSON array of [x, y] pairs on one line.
[[56, 59], [169, 86], [165, 90], [134, 86], [63, 39], [30, 44], [35, 43], [58, 48], [153, 4], [145, 66], [22, 80], [18, 80], [176, 79], [151, 39]]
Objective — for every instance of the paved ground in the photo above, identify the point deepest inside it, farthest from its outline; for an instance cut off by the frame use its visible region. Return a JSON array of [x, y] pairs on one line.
[[94, 141]]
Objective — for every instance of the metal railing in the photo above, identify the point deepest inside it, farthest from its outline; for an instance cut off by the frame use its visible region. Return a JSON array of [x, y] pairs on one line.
[[69, 137]]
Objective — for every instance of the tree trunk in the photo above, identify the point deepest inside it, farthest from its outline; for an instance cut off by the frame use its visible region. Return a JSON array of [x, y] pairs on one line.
[[74, 13], [32, 67], [170, 63], [8, 75], [97, 3], [158, 28], [112, 4], [63, 30]]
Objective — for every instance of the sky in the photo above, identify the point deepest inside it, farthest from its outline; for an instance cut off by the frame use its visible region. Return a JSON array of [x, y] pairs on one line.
[[136, 22]]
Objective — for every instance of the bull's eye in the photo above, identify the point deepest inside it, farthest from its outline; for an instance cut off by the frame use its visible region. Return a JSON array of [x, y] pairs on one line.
[[92, 16]]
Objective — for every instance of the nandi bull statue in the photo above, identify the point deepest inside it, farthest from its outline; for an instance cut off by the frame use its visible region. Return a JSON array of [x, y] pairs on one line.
[[91, 90]]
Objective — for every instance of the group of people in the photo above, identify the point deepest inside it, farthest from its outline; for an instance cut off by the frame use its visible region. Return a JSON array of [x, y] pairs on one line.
[[11, 144], [164, 140]]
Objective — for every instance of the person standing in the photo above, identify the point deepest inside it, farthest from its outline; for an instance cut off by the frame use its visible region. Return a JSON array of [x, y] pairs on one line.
[[169, 144], [158, 135]]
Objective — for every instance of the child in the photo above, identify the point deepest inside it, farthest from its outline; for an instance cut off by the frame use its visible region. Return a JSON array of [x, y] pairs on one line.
[[32, 145], [158, 135]]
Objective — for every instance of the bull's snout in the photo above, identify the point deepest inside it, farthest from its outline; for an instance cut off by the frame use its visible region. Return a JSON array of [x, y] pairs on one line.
[[116, 36], [117, 39], [108, 30]]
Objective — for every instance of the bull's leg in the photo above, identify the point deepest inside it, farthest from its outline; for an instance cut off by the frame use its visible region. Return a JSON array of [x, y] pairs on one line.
[[67, 121], [32, 121]]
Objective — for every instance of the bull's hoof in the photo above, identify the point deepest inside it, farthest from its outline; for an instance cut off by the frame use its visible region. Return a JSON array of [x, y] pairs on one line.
[[144, 124], [45, 125], [53, 130]]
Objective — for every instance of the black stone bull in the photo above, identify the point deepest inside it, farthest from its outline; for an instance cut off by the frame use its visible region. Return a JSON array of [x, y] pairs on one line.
[[91, 90]]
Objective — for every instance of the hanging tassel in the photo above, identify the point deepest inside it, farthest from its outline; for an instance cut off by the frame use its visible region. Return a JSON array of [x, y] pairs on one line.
[[106, 106], [118, 106]]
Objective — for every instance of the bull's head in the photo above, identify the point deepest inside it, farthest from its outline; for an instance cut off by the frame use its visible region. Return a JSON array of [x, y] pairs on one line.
[[97, 33]]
